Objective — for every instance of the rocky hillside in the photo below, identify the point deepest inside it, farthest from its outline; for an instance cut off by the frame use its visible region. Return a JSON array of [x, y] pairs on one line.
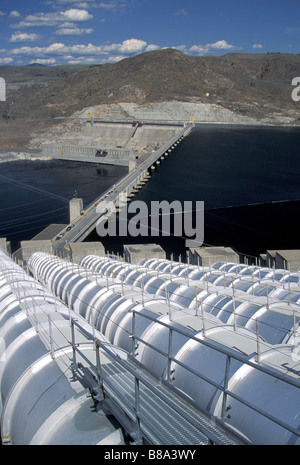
[[252, 85]]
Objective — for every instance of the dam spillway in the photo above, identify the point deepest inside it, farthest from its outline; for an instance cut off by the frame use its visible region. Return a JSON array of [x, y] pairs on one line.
[[112, 142]]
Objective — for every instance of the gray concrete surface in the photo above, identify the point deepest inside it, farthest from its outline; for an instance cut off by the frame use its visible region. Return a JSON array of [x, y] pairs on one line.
[[5, 245], [288, 259], [206, 256], [108, 143], [82, 249], [134, 253], [29, 247]]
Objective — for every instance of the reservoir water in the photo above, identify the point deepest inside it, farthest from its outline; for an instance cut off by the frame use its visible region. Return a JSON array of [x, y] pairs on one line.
[[34, 194], [248, 178]]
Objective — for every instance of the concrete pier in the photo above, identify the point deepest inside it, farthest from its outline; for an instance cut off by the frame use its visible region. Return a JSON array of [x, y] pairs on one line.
[[134, 253], [76, 206], [205, 256]]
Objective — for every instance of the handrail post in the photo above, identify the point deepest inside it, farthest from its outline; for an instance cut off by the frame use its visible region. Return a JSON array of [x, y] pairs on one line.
[[196, 297], [226, 379], [137, 411], [35, 318], [257, 341], [203, 320], [73, 341], [133, 332], [99, 370], [169, 354], [51, 336]]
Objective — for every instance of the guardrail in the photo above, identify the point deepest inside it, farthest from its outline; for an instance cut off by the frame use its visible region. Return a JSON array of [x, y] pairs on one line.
[[229, 353], [195, 423]]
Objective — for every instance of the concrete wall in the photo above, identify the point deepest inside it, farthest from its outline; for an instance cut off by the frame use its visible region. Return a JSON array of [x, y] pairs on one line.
[[83, 153], [82, 249], [5, 245], [135, 253], [75, 207], [29, 247], [206, 256], [122, 142], [283, 259]]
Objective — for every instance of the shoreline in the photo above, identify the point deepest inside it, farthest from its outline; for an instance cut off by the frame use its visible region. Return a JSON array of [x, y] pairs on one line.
[[7, 156]]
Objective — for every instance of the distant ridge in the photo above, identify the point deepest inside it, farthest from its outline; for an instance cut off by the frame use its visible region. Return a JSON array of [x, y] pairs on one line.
[[253, 85], [36, 64]]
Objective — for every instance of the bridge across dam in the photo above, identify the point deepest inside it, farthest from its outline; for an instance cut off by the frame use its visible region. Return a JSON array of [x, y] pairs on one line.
[[126, 188]]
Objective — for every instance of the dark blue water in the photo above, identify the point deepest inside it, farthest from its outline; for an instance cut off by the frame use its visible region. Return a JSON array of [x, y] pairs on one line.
[[233, 168], [248, 178], [34, 194], [225, 166]]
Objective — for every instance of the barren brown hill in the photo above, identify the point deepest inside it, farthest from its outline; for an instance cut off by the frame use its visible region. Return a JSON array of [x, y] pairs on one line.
[[248, 84]]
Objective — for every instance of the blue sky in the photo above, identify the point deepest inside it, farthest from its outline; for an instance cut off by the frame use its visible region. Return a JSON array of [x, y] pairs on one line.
[[91, 31]]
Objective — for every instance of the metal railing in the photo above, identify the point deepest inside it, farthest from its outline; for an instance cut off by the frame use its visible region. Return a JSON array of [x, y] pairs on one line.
[[230, 355], [140, 382]]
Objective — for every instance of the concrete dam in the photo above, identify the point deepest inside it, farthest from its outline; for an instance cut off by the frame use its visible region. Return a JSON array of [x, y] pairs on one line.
[[111, 142]]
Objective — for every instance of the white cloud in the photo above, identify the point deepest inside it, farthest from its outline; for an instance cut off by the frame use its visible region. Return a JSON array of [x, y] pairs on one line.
[[131, 46], [257, 46], [44, 61], [222, 45], [64, 2], [5, 61], [53, 19], [83, 5], [76, 15], [73, 31], [68, 24], [219, 45], [2, 14], [127, 46], [82, 60], [181, 12], [115, 58], [79, 60], [182, 48], [200, 49], [108, 5], [14, 14], [152, 47], [23, 37]]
